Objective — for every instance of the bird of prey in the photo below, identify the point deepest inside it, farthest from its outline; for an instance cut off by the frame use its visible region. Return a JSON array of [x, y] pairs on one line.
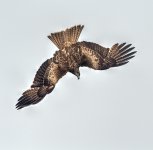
[[70, 56]]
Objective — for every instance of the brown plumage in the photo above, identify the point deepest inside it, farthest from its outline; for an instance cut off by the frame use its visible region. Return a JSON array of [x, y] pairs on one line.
[[70, 56]]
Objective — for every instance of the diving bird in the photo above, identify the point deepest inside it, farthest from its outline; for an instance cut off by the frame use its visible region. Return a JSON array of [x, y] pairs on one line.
[[70, 56]]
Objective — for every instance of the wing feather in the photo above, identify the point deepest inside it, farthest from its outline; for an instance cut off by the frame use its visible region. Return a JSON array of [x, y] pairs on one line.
[[102, 51], [92, 55], [100, 58], [44, 82], [39, 77], [120, 54]]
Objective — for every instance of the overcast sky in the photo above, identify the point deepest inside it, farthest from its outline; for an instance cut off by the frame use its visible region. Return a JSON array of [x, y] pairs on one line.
[[104, 110]]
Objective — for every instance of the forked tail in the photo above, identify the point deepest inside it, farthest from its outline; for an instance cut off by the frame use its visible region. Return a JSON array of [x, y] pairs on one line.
[[66, 38]]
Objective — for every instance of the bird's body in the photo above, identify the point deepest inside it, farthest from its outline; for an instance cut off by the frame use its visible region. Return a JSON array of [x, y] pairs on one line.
[[70, 56]]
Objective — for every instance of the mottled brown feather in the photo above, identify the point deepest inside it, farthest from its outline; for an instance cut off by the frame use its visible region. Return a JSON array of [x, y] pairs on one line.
[[96, 47], [44, 82], [90, 57], [39, 77], [70, 56]]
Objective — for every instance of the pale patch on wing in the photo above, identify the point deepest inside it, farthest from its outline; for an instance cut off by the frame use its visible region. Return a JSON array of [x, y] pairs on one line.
[[91, 58]]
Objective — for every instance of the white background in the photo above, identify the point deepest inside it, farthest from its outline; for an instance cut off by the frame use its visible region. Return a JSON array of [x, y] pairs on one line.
[[104, 110]]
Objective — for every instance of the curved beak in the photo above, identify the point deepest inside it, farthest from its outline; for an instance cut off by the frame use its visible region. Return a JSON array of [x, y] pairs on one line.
[[78, 75]]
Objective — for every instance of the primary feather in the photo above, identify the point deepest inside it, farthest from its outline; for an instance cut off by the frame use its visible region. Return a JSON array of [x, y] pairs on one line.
[[70, 56]]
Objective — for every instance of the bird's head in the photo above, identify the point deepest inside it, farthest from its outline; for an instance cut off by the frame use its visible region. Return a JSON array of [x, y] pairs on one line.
[[76, 72]]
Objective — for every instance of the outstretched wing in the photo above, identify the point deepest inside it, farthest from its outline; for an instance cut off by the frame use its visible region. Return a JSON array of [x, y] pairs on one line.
[[119, 54], [39, 77], [44, 82], [33, 96], [102, 51], [92, 55], [99, 58]]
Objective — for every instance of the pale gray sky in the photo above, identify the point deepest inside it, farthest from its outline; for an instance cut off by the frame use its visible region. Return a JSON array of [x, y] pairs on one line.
[[104, 110]]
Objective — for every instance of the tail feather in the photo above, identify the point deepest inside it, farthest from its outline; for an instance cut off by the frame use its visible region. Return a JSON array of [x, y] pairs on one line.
[[66, 38], [121, 54]]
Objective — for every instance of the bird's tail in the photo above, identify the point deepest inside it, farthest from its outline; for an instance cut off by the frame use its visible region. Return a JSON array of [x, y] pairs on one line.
[[66, 38], [120, 54]]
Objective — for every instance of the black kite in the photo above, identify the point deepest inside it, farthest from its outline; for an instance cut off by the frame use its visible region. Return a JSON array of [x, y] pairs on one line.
[[70, 56]]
